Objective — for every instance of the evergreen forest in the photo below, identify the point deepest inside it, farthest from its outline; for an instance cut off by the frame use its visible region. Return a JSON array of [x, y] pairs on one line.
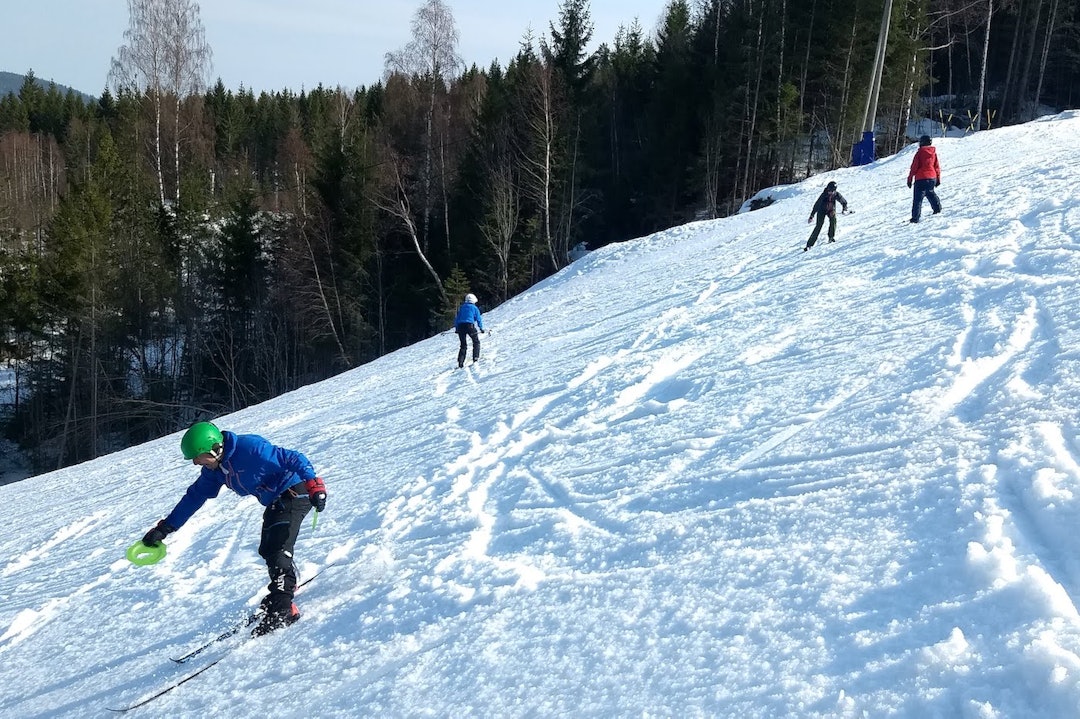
[[177, 249]]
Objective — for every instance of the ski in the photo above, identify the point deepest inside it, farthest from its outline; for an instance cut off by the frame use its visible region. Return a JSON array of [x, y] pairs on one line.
[[169, 688], [238, 627], [232, 631]]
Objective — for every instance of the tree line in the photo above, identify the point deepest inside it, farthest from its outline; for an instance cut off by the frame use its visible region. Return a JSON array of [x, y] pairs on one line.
[[177, 250]]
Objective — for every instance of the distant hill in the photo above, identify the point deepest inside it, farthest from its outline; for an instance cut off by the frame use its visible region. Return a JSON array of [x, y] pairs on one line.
[[13, 82]]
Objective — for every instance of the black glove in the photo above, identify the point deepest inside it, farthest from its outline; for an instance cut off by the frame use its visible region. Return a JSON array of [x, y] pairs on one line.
[[316, 492], [158, 533], [909, 182], [937, 183]]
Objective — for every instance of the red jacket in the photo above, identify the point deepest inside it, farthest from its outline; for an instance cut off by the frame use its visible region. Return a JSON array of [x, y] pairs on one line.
[[925, 165]]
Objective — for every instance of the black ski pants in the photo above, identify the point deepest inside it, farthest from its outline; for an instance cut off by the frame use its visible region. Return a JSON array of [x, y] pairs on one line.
[[817, 228], [469, 330], [281, 525]]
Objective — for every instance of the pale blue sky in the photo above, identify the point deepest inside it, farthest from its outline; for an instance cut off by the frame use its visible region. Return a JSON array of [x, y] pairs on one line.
[[273, 44]]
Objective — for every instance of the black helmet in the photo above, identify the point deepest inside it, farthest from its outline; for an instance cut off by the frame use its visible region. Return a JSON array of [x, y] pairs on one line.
[[924, 141], [830, 186]]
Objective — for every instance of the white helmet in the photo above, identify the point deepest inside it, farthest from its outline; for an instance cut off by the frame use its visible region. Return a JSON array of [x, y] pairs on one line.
[[470, 298]]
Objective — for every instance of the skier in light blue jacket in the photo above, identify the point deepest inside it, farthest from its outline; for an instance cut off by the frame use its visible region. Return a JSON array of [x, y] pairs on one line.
[[467, 323]]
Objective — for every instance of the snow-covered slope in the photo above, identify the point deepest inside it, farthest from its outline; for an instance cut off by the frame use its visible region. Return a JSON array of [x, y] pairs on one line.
[[697, 474]]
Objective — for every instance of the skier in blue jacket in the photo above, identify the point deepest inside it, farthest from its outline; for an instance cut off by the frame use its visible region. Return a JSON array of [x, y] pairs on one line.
[[283, 481], [467, 322]]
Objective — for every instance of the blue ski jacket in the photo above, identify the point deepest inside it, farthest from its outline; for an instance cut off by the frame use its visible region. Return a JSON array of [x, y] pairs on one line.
[[249, 465], [469, 314]]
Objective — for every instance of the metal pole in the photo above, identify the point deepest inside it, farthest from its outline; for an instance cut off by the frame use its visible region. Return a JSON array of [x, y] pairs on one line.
[[870, 113]]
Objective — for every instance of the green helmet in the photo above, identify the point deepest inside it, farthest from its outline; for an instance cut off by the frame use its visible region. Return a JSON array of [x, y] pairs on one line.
[[202, 437]]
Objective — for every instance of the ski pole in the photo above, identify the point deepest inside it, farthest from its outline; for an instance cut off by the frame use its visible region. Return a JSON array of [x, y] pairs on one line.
[[314, 520]]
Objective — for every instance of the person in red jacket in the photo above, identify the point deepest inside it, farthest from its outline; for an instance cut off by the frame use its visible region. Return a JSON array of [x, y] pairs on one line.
[[925, 175]]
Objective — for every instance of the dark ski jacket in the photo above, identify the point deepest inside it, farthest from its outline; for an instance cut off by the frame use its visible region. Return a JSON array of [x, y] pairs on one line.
[[826, 203], [925, 165], [249, 465], [469, 314]]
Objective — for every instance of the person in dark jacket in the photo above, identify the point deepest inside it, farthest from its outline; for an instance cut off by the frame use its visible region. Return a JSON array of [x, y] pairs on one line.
[[281, 479], [925, 175], [825, 207], [467, 323]]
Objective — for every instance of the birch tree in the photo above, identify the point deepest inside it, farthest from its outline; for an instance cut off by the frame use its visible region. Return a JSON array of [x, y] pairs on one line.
[[431, 55], [1051, 25], [985, 60], [538, 154], [502, 204], [391, 196], [165, 55]]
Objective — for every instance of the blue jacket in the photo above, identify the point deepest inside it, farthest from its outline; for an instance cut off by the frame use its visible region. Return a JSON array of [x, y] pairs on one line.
[[469, 314], [249, 465]]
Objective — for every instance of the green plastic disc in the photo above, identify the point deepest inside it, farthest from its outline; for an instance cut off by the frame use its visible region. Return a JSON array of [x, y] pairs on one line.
[[143, 555]]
